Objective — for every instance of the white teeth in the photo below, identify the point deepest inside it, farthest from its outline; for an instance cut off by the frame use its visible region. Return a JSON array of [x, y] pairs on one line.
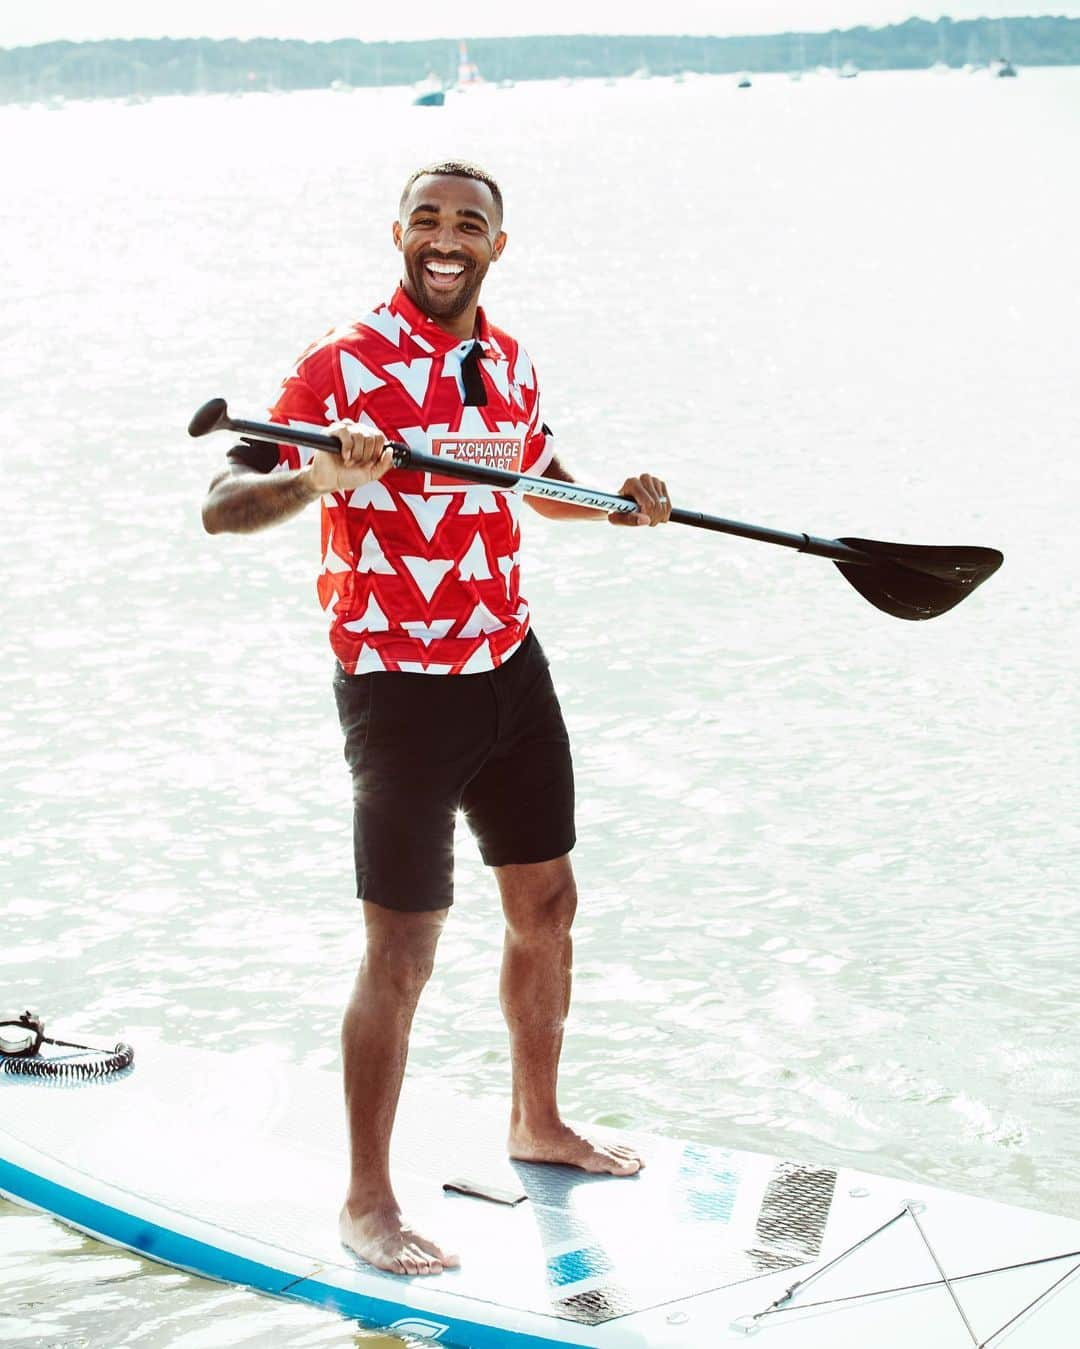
[[445, 268]]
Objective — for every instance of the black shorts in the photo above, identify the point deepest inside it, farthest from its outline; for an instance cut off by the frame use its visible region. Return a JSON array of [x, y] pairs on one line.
[[422, 747]]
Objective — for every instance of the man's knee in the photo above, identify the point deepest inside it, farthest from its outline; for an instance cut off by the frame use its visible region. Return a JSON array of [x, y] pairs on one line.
[[400, 948], [539, 901]]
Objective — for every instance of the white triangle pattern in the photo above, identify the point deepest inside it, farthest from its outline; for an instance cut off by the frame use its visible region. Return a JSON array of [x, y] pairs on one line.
[[384, 321], [512, 502], [372, 557], [472, 423], [481, 620], [373, 495], [331, 409], [427, 632], [523, 370], [333, 562], [479, 661], [414, 378], [428, 511], [500, 375], [372, 620], [506, 566], [474, 565], [427, 573], [419, 438], [478, 501], [358, 378], [368, 660], [414, 667]]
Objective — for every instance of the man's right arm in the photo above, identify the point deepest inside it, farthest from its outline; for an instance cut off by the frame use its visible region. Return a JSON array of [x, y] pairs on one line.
[[241, 499]]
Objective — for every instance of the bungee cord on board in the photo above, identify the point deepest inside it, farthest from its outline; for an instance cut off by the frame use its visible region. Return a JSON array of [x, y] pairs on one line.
[[20, 1053], [751, 1323]]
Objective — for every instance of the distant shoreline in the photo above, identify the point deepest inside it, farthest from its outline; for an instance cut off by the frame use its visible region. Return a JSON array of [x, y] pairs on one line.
[[149, 67]]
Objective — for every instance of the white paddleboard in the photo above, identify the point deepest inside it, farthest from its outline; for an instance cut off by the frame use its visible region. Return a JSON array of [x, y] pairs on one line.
[[233, 1167]]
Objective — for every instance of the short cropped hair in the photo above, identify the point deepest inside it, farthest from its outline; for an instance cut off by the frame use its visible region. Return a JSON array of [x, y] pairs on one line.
[[456, 168]]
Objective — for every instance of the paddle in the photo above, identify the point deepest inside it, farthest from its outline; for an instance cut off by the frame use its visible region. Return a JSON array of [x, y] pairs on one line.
[[903, 579]]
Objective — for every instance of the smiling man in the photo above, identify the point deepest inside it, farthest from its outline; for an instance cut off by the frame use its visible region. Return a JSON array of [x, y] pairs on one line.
[[443, 690]]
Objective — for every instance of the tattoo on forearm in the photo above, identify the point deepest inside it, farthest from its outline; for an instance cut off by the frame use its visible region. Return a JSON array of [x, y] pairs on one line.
[[252, 501]]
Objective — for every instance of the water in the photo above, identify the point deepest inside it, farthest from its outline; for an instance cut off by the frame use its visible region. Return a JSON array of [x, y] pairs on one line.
[[827, 858]]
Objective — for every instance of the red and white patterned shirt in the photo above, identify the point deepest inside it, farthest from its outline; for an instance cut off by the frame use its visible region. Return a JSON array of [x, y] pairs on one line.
[[420, 573]]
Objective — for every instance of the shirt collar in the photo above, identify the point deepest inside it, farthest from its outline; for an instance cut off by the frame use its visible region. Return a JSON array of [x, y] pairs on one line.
[[439, 338]]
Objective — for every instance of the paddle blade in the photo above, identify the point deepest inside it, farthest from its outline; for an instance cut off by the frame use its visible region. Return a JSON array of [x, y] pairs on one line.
[[911, 581]]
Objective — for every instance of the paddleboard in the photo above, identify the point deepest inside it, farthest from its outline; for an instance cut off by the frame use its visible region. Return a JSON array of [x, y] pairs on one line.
[[232, 1166]]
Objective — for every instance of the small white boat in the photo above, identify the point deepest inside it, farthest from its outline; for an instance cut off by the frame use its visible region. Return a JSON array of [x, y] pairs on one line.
[[429, 92]]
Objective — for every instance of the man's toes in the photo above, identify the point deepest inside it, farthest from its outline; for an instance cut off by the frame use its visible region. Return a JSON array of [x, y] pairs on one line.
[[623, 1161], [629, 1156], [421, 1260], [435, 1253]]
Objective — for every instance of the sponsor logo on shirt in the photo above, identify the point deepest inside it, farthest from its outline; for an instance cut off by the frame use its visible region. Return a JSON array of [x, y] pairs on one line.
[[503, 452]]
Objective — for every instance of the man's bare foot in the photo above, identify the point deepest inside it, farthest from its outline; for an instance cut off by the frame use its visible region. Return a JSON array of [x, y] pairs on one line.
[[384, 1239], [561, 1144]]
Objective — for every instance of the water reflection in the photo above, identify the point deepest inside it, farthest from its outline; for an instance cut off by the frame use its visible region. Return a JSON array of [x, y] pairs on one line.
[[828, 896]]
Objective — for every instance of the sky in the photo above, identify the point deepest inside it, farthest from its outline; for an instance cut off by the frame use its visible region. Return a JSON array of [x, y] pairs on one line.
[[318, 20]]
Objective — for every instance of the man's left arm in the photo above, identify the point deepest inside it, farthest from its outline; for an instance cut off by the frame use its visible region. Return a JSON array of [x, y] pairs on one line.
[[650, 493], [540, 459]]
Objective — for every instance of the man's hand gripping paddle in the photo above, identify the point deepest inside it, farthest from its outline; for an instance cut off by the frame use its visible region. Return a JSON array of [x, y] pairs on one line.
[[903, 579]]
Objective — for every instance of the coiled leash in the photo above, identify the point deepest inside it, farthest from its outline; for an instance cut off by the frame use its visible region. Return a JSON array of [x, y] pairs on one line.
[[20, 1046]]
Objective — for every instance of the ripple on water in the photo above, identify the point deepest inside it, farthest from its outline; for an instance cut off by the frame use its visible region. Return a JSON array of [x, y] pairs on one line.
[[826, 862]]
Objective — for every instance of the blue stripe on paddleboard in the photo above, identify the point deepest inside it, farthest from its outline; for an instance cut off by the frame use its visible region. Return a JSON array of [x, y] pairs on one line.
[[173, 1248]]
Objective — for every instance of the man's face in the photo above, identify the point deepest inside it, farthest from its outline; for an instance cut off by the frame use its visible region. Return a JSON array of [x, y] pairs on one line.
[[449, 234]]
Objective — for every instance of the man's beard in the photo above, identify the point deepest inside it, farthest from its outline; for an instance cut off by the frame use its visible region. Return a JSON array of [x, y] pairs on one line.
[[443, 305]]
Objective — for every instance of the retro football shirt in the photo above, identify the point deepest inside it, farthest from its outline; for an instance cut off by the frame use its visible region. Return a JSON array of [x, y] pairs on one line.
[[420, 572]]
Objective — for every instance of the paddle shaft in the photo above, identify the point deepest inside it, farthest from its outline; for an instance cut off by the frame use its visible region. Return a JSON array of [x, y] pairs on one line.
[[552, 489]]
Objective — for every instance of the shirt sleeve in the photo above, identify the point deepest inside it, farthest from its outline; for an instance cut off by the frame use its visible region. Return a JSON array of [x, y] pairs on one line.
[[298, 405]]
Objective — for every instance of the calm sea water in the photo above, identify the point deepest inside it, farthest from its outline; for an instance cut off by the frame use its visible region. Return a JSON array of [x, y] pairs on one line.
[[827, 859]]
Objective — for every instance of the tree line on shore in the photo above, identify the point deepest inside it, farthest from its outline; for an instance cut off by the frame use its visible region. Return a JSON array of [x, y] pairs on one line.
[[143, 67]]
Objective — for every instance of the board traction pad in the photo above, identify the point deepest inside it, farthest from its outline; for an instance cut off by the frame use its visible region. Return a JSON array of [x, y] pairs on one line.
[[256, 1146]]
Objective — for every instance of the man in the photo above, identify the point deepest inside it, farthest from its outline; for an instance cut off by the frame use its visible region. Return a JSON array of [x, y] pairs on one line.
[[443, 692]]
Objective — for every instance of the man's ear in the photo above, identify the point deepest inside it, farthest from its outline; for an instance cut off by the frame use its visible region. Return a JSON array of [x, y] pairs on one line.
[[397, 235], [498, 246]]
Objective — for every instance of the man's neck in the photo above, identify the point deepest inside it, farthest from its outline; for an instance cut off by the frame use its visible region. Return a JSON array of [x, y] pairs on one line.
[[463, 326]]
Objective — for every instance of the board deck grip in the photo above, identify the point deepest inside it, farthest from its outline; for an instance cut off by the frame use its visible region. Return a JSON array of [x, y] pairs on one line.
[[480, 1189]]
